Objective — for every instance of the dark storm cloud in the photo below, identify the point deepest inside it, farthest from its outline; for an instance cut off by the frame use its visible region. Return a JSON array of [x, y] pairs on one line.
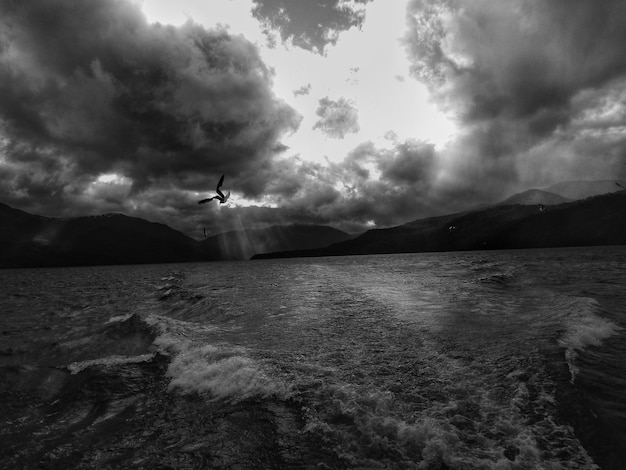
[[372, 185], [518, 59], [309, 24], [337, 118], [389, 186], [526, 80], [412, 164], [88, 88]]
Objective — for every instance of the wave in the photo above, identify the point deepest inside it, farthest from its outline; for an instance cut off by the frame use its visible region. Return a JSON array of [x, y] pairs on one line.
[[175, 293], [109, 361], [583, 327], [501, 279], [497, 274], [119, 336], [467, 430], [216, 371]]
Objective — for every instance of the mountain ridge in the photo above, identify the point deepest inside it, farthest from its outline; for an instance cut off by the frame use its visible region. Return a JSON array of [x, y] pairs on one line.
[[581, 189], [535, 196], [243, 244], [598, 220], [28, 240]]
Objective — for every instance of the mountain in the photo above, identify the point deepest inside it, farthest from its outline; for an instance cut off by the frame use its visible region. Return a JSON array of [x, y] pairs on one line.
[[582, 189], [243, 244], [535, 196], [28, 240], [599, 220]]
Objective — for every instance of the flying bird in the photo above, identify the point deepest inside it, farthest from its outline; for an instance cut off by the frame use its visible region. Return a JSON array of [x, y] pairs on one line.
[[220, 195], [623, 188]]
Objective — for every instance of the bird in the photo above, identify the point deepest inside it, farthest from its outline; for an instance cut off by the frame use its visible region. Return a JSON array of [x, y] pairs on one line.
[[622, 187], [220, 195]]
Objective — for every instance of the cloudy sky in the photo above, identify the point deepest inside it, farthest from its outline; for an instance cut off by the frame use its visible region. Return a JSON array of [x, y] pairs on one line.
[[352, 113]]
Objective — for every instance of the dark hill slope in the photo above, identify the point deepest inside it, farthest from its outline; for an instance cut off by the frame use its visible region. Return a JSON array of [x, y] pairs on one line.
[[20, 244], [18, 225], [242, 244], [583, 189], [600, 220], [472, 231], [534, 196], [118, 239], [30, 241]]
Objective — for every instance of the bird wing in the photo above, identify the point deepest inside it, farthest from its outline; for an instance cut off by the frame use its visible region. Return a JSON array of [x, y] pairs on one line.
[[220, 184], [206, 200]]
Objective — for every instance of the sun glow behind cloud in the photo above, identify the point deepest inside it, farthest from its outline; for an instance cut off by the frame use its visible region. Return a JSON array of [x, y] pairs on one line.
[[367, 66]]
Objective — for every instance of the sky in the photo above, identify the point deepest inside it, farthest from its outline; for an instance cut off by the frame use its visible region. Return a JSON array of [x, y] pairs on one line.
[[350, 113]]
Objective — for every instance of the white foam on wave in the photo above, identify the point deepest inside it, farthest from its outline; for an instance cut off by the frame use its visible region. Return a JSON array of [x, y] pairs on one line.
[[220, 372], [440, 436], [119, 318], [458, 417], [584, 328], [76, 367]]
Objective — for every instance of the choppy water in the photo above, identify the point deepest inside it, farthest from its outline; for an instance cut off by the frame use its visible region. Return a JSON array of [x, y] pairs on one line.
[[443, 360]]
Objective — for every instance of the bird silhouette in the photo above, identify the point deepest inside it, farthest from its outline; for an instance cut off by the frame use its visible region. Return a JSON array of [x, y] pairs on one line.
[[220, 195]]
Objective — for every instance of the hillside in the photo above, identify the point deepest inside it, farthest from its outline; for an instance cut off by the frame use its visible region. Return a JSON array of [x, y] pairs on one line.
[[535, 196], [600, 220], [574, 190], [243, 244], [28, 240]]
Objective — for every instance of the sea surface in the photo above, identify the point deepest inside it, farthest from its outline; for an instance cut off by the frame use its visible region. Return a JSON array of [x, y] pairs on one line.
[[473, 360]]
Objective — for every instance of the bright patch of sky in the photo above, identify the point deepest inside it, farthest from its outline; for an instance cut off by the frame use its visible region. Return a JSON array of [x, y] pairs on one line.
[[368, 67], [113, 178]]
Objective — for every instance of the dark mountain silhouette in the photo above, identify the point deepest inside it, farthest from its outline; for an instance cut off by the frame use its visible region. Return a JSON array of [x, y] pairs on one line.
[[528, 197], [28, 240], [242, 244], [574, 190], [599, 220], [535, 196]]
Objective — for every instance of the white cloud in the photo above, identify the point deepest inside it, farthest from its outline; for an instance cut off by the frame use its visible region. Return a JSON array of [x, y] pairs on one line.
[[368, 66]]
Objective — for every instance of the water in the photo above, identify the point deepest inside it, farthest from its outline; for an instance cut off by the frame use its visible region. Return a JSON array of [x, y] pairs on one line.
[[511, 359]]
